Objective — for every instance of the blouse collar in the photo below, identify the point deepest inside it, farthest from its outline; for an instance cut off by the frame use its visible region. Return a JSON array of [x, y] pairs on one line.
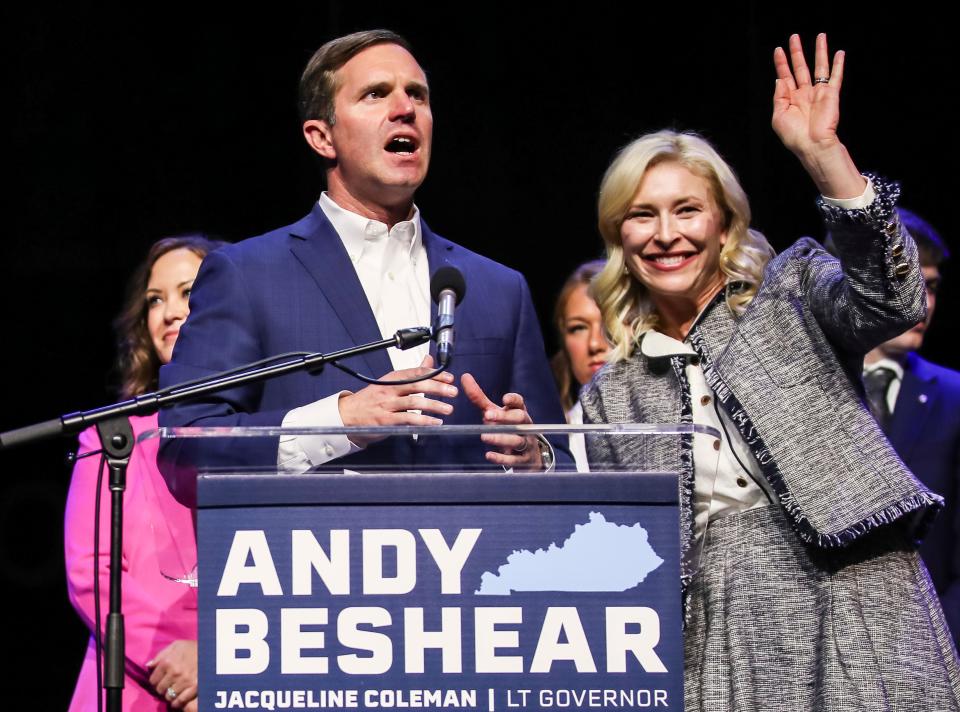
[[653, 344]]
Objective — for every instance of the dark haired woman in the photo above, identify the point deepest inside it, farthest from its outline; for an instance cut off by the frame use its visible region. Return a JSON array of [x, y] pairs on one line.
[[158, 537]]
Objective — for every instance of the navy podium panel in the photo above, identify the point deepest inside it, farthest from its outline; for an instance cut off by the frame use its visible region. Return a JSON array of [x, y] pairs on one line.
[[485, 592]]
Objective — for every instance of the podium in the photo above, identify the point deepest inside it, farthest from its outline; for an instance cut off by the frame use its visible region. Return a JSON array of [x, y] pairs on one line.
[[468, 588]]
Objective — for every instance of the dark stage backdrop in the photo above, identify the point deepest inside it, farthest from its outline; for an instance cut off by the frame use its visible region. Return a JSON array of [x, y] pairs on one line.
[[124, 128]]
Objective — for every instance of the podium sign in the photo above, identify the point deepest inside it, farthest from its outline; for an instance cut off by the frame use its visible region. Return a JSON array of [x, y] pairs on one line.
[[426, 591]]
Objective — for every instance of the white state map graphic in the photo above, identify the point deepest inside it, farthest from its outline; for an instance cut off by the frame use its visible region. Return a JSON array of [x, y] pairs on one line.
[[597, 556]]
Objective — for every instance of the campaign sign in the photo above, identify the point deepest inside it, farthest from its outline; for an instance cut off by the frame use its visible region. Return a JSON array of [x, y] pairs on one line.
[[489, 593]]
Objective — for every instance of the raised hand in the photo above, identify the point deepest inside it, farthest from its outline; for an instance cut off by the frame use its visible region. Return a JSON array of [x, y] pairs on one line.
[[398, 405], [806, 112], [513, 450]]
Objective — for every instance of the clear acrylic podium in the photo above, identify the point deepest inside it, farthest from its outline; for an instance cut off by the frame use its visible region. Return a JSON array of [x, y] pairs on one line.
[[365, 584]]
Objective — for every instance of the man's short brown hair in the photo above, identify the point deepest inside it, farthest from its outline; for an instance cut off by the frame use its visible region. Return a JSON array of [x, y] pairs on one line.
[[318, 83]]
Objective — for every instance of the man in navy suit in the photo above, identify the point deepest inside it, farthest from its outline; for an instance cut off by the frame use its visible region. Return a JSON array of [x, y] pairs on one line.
[[918, 405], [355, 270]]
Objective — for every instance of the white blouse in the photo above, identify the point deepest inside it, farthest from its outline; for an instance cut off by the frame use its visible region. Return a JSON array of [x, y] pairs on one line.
[[727, 478]]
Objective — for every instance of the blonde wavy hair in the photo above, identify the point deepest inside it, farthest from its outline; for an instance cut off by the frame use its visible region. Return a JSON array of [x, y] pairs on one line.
[[623, 300]]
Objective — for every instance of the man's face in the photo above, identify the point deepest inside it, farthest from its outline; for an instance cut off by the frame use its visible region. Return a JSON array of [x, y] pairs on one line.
[[381, 137], [912, 340]]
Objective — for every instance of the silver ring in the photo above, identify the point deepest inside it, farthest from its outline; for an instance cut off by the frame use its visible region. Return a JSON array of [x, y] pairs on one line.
[[171, 693], [822, 80]]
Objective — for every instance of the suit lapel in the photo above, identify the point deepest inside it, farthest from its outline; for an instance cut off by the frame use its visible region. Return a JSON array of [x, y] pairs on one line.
[[320, 250], [440, 253], [914, 403]]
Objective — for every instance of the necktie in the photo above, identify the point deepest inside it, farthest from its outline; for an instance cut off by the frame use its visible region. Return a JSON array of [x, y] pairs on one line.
[[876, 383]]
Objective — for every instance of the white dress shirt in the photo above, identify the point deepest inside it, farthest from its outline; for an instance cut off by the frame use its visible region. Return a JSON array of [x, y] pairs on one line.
[[893, 390], [391, 264]]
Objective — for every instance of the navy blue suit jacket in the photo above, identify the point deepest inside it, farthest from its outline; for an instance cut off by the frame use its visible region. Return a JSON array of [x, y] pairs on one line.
[[925, 432], [295, 289]]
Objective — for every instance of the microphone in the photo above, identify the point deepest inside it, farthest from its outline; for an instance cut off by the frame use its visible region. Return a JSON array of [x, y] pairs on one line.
[[447, 289]]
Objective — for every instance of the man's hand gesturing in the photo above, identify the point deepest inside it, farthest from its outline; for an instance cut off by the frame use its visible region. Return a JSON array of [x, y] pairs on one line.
[[400, 405]]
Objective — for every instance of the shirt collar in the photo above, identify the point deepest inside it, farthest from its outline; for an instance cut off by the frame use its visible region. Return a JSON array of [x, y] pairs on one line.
[[653, 344], [354, 230], [887, 363]]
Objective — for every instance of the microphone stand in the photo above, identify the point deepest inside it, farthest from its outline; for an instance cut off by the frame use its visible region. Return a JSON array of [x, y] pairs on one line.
[[117, 441]]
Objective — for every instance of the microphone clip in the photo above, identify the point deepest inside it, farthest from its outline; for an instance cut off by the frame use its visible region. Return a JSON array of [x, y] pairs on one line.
[[414, 336]]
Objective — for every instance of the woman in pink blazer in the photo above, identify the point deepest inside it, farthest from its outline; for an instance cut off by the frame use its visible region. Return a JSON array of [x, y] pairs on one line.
[[160, 612]]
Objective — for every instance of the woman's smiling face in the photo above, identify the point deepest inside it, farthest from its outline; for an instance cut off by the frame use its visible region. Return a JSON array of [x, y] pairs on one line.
[[672, 236], [168, 295]]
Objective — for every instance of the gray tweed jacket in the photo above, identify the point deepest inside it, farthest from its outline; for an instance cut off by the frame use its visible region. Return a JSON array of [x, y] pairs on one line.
[[787, 372]]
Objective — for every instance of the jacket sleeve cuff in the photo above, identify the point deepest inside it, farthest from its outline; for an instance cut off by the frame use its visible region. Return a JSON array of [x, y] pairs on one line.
[[880, 212]]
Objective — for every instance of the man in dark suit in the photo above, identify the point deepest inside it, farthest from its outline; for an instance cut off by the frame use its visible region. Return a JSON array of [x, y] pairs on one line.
[[917, 403], [355, 270]]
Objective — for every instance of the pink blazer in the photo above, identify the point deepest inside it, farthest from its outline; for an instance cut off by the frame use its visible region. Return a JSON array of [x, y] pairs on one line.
[[158, 535]]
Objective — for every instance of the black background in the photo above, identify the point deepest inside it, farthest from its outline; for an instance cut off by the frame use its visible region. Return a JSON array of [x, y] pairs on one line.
[[126, 126]]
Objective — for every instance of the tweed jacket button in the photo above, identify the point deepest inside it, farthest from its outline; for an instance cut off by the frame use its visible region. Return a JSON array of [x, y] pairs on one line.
[[896, 250], [741, 482], [902, 269], [892, 228]]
